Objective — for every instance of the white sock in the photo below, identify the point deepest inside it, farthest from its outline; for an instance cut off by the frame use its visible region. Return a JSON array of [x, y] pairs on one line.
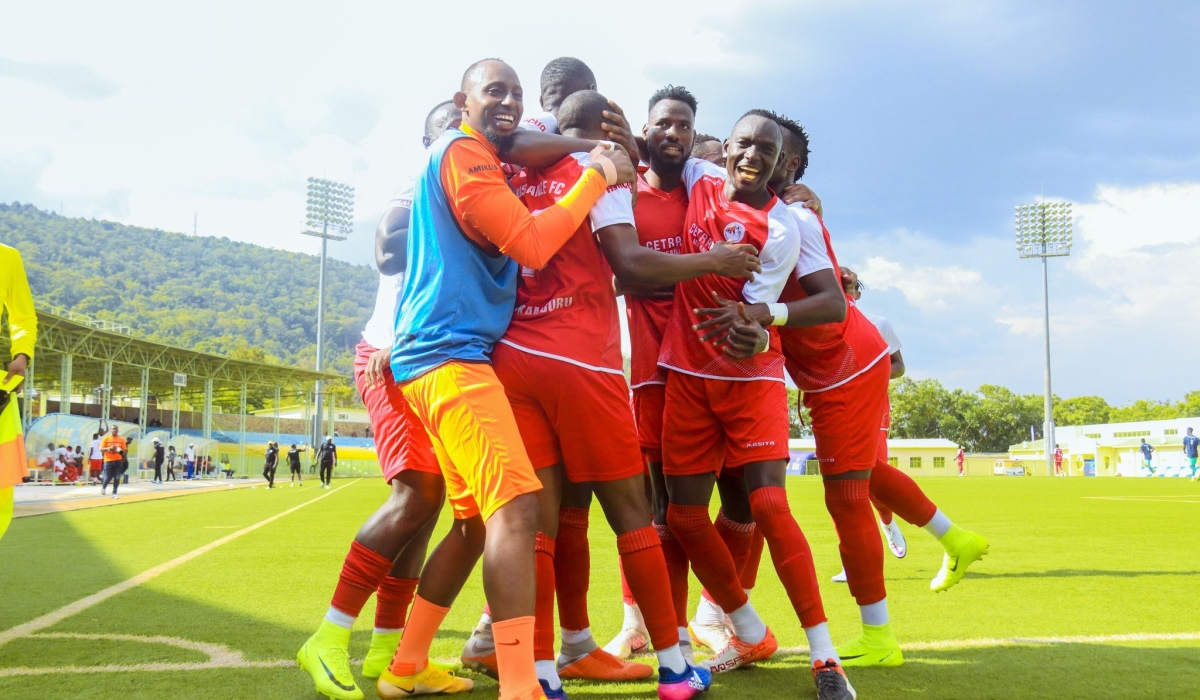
[[709, 613], [685, 635], [576, 636], [671, 659], [576, 644], [938, 525], [484, 620], [340, 618], [820, 644], [548, 671], [747, 625], [378, 630], [874, 614], [748, 592], [633, 618]]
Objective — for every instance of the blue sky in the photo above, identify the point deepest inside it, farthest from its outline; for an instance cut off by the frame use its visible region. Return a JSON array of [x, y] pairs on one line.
[[929, 122]]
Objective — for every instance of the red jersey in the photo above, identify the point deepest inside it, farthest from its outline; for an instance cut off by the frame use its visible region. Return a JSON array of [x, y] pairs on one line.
[[712, 217], [660, 216], [829, 355], [567, 310]]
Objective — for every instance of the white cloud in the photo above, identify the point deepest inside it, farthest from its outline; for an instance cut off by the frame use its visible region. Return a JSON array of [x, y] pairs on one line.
[[929, 289]]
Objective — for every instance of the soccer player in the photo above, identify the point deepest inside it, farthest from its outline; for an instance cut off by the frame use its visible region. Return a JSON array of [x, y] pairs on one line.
[[95, 458], [841, 363], [708, 147], [1147, 456], [293, 457], [400, 529], [113, 447], [327, 457], [560, 79], [1191, 448], [1058, 460], [561, 367], [960, 458], [468, 236], [270, 462], [723, 412]]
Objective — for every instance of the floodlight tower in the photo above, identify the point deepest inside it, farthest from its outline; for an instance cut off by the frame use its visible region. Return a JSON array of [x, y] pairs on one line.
[[330, 217], [1044, 231]]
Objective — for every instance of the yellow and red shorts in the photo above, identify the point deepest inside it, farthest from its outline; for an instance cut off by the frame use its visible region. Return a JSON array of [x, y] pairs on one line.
[[475, 437]]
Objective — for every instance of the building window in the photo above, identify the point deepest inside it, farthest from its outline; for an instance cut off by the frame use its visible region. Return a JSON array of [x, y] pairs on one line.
[[1094, 436], [1171, 431], [939, 462], [1132, 433], [914, 462], [894, 462]]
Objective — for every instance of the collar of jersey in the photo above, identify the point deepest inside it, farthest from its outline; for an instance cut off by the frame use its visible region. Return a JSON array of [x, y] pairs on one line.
[[466, 129]]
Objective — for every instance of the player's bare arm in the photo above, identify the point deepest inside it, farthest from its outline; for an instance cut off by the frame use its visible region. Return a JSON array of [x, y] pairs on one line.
[[897, 365], [825, 303], [391, 241], [636, 265]]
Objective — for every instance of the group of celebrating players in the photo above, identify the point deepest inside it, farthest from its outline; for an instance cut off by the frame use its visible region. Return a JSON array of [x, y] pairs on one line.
[[493, 375]]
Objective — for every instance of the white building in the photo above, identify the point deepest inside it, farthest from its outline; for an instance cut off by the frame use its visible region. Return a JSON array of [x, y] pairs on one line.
[[1113, 449]]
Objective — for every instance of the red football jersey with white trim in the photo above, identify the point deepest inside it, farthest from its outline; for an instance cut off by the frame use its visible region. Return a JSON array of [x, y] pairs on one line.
[[822, 357], [660, 219], [712, 217], [568, 310]]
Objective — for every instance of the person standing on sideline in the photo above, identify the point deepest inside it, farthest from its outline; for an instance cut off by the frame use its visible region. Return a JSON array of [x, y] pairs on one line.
[[1147, 455], [1058, 458], [95, 458], [327, 458], [189, 456], [293, 457], [172, 459], [113, 447], [22, 334], [159, 456], [1191, 448], [960, 458], [272, 461]]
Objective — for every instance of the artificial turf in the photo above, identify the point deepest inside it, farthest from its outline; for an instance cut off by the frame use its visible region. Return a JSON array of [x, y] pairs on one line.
[[1070, 558]]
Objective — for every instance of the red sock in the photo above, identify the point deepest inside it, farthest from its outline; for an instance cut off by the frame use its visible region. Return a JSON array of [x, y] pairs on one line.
[[858, 538], [392, 600], [677, 570], [572, 568], [885, 513], [361, 574], [641, 555], [543, 631], [749, 573], [898, 492], [710, 559], [738, 538], [789, 552]]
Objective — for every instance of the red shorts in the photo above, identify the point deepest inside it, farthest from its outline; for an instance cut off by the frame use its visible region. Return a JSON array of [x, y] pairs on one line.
[[95, 466], [846, 420], [400, 440], [649, 401], [569, 415], [713, 423]]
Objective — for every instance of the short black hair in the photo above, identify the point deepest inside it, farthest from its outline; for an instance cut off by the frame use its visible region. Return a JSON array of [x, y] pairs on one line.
[[567, 71], [466, 78], [764, 113], [583, 110], [673, 92], [795, 141], [704, 138], [429, 118]]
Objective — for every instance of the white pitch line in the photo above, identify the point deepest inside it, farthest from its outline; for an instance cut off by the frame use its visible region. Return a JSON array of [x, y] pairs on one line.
[[1150, 499], [945, 644], [52, 618]]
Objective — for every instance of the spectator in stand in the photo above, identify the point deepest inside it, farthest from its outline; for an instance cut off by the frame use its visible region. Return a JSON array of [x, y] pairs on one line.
[[96, 461], [159, 456], [189, 456], [172, 461], [113, 446], [1147, 455]]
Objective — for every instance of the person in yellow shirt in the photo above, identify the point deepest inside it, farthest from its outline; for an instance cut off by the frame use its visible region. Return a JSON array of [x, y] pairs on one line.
[[22, 329]]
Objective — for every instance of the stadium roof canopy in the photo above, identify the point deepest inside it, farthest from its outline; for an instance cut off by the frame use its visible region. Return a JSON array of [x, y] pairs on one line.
[[91, 355]]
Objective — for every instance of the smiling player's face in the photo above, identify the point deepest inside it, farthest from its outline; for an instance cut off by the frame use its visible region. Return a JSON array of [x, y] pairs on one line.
[[494, 103], [752, 152]]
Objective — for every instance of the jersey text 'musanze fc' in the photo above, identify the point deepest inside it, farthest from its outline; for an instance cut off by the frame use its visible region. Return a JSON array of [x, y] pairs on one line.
[[660, 218], [567, 310], [829, 355], [712, 218]]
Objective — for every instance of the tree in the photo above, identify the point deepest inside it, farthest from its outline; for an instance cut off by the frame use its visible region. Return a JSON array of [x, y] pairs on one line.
[[1143, 409], [1082, 410]]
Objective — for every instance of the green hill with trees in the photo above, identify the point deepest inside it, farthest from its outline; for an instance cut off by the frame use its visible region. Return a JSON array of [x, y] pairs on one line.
[[202, 292]]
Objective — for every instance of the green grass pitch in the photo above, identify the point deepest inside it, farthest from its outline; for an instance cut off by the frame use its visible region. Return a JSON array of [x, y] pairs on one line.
[[1073, 563]]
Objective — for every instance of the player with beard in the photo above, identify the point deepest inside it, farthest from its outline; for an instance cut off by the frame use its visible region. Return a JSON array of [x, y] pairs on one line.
[[399, 530], [842, 365], [468, 236], [723, 411]]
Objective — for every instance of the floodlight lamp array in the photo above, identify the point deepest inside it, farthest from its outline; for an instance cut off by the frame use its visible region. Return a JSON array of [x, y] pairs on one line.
[[330, 209], [1044, 229]]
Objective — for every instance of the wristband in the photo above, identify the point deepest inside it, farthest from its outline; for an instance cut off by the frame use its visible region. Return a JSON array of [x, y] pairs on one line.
[[779, 313], [609, 168]]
